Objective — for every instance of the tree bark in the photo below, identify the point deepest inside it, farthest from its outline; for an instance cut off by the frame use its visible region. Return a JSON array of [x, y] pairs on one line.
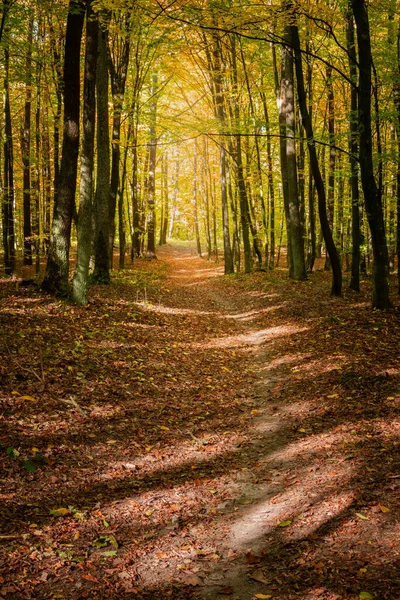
[[26, 149], [195, 207], [215, 68], [355, 198], [151, 181], [101, 272], [57, 268], [373, 204], [118, 63], [319, 184], [80, 280], [8, 201], [294, 225]]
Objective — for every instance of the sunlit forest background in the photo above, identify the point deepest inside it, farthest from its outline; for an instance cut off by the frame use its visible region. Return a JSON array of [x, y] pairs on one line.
[[239, 125]]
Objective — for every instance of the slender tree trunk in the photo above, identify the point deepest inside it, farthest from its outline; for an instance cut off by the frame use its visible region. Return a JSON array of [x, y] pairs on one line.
[[195, 207], [174, 198], [136, 226], [57, 268], [102, 197], [26, 149], [46, 166], [58, 76], [311, 188], [40, 240], [164, 222], [332, 154], [220, 114], [118, 65], [80, 280], [355, 199], [270, 185], [151, 190], [373, 204], [206, 194], [319, 184], [260, 188], [8, 202], [396, 88]]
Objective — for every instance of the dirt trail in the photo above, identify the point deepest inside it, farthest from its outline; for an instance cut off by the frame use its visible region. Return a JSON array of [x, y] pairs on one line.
[[210, 437]]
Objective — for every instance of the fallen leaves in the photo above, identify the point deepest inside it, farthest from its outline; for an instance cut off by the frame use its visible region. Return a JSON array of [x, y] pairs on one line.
[[285, 523], [147, 377], [259, 576], [193, 580], [362, 517], [60, 512]]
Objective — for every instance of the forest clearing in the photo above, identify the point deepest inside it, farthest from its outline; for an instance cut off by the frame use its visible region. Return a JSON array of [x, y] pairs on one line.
[[189, 434]]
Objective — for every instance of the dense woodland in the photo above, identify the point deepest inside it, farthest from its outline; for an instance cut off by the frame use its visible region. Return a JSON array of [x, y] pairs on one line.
[[249, 127]]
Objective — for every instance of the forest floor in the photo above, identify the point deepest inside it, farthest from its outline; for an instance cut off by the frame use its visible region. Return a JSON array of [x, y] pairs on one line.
[[194, 435]]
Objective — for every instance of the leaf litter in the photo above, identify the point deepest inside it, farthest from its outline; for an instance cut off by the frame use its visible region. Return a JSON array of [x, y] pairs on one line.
[[193, 435]]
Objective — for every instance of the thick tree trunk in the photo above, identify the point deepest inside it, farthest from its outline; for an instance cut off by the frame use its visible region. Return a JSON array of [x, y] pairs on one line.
[[57, 268], [373, 204], [280, 98], [80, 281], [216, 69], [294, 225]]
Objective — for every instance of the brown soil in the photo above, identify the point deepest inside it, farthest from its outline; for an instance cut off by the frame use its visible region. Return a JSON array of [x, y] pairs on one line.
[[199, 436]]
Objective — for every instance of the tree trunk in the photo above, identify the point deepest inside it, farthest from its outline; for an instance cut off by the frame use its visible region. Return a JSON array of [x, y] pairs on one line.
[[270, 186], [8, 202], [118, 63], [397, 106], [80, 281], [195, 207], [280, 99], [57, 268], [355, 199], [26, 149], [216, 70], [373, 204], [319, 184], [164, 222], [332, 154], [294, 225], [151, 182], [101, 272], [311, 188], [58, 76]]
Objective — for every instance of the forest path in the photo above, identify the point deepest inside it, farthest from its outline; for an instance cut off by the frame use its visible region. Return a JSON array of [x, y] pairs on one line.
[[200, 435]]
